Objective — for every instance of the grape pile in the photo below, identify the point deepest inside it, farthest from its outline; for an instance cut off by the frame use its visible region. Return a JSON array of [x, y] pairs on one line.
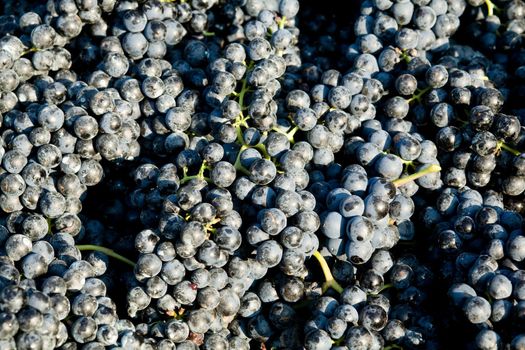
[[262, 174]]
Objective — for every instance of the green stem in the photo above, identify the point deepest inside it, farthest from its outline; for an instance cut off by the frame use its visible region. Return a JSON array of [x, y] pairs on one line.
[[409, 165], [330, 280], [433, 168], [277, 129], [193, 177], [417, 96], [262, 148], [338, 342], [504, 146], [33, 49], [243, 92], [240, 139], [209, 226], [405, 57], [392, 347], [282, 22], [106, 251], [238, 166], [491, 7], [177, 314], [241, 119], [244, 87], [200, 174], [386, 286], [204, 166], [206, 33], [289, 134]]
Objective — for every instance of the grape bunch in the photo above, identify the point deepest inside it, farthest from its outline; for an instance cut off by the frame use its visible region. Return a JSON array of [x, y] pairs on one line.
[[262, 174]]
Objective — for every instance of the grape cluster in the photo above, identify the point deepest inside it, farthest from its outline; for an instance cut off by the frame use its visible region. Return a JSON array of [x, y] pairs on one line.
[[477, 242], [386, 307], [262, 174]]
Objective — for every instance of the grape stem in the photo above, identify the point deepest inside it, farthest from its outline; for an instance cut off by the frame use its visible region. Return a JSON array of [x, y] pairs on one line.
[[209, 226], [385, 287], [330, 280], [393, 346], [238, 166], [49, 226], [417, 96], [338, 341], [33, 49], [502, 145], [491, 7], [282, 22], [107, 251], [289, 134], [409, 164], [405, 57], [238, 130], [433, 168], [176, 314], [241, 120], [244, 86], [200, 174], [262, 148]]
